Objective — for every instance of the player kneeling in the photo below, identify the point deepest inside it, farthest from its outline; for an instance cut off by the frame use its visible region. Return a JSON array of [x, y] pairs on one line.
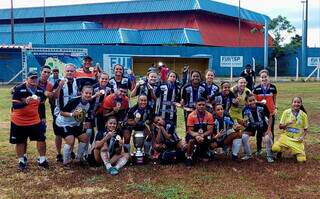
[[199, 131], [226, 132], [168, 147], [108, 148]]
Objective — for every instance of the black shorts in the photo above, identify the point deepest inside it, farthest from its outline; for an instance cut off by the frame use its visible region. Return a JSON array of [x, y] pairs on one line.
[[76, 131], [260, 131], [189, 137], [20, 134], [55, 127]]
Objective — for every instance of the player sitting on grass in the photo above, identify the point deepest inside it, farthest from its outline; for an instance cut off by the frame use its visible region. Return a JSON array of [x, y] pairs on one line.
[[167, 145], [108, 148], [226, 132]]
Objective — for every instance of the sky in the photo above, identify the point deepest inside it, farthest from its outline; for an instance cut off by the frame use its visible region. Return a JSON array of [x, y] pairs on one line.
[[292, 9]]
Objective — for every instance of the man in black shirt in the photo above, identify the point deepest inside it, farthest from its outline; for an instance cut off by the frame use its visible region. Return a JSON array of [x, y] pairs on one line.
[[249, 75]]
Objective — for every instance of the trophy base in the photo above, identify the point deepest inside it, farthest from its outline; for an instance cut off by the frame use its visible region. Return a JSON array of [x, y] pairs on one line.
[[138, 158]]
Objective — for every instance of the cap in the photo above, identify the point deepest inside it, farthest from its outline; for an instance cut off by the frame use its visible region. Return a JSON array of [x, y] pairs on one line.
[[248, 66], [32, 74], [87, 57]]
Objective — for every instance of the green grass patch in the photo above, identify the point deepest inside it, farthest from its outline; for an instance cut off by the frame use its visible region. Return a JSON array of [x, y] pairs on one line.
[[171, 191]]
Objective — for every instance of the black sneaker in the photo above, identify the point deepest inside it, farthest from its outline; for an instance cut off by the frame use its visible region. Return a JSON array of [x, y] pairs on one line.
[[59, 158], [44, 164], [73, 155], [188, 162], [279, 155], [25, 159], [234, 157], [22, 166]]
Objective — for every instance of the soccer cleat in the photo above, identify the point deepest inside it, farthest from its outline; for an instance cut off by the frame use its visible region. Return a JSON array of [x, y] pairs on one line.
[[188, 161], [59, 158], [259, 153], [73, 155], [114, 171], [234, 157], [279, 155], [25, 159], [22, 166], [44, 164], [270, 159], [246, 157]]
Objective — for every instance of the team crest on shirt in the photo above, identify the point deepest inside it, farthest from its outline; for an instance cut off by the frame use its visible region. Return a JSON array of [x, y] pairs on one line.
[[81, 116]]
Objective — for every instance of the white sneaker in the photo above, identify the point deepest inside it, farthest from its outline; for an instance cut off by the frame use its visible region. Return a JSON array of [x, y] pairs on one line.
[[270, 159], [246, 157]]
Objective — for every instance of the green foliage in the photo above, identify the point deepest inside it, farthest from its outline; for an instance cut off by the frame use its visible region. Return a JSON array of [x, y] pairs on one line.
[[281, 29]]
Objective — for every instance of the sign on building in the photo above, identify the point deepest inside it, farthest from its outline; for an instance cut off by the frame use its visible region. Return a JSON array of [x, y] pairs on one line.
[[110, 60], [313, 61], [231, 61]]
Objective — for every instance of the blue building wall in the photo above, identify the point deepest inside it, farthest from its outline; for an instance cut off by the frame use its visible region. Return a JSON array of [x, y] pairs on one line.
[[10, 60], [289, 63], [213, 53]]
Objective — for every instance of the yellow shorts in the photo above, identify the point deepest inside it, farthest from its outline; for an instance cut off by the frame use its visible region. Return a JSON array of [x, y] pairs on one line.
[[297, 148]]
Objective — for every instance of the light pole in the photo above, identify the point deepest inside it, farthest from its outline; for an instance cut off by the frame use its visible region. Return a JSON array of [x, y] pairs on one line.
[[304, 34], [239, 24], [12, 23], [44, 23]]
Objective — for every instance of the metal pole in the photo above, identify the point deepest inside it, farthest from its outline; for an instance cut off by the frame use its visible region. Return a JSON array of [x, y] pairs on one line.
[[297, 69], [231, 73], [12, 23], [253, 64], [265, 63], [239, 24], [44, 23], [304, 34], [275, 69], [318, 72]]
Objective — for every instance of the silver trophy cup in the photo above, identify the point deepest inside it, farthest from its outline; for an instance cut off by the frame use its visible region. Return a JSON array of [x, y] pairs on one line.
[[138, 141]]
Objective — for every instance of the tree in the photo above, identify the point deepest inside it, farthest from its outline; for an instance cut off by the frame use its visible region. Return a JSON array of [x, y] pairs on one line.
[[280, 28]]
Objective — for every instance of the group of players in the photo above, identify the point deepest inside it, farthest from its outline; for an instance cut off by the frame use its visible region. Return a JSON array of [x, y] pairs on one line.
[[87, 100]]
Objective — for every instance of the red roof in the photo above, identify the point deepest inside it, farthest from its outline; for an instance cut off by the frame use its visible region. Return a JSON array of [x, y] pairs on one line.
[[216, 30]]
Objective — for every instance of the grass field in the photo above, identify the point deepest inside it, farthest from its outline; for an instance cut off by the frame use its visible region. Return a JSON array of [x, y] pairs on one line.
[[220, 178]]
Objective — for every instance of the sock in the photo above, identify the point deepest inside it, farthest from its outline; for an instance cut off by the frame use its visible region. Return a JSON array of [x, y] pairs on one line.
[[105, 158], [42, 159], [108, 166], [236, 144], [21, 159], [269, 143], [147, 147], [127, 148], [66, 153], [246, 145], [121, 162], [81, 150]]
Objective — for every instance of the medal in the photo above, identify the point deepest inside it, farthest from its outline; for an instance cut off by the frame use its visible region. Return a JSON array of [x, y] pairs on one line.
[[118, 138], [102, 92], [91, 69], [200, 131], [35, 97], [264, 101], [138, 115]]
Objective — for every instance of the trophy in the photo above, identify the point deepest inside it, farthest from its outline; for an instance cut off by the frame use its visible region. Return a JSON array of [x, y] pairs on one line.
[[138, 142]]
